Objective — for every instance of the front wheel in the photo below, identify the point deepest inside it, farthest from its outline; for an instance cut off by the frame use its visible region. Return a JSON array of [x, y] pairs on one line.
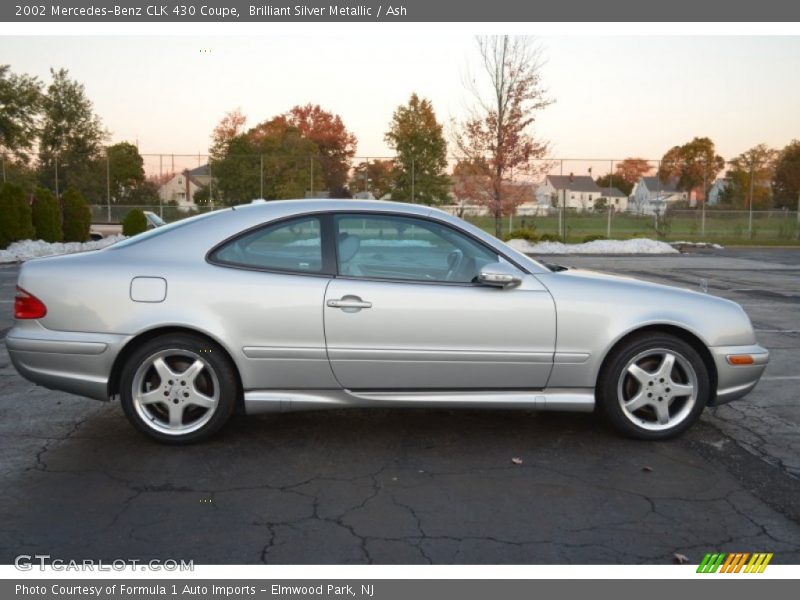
[[654, 387], [179, 388]]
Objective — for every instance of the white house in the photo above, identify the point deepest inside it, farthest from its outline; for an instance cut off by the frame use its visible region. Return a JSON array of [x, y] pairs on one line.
[[615, 199], [573, 191], [181, 188], [650, 194]]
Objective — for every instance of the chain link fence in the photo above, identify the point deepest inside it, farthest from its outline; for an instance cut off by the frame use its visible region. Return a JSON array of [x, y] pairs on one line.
[[571, 199]]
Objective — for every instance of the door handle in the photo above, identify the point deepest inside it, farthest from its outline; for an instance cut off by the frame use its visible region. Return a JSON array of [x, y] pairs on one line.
[[349, 303]]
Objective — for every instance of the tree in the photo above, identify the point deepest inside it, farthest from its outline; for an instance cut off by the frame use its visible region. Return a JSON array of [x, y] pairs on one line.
[[420, 168], [230, 126], [692, 164], [758, 164], [15, 210], [626, 174], [786, 182], [125, 171], [46, 216], [499, 129], [77, 216], [375, 176], [20, 104], [335, 144], [71, 138], [284, 154], [473, 184], [134, 222]]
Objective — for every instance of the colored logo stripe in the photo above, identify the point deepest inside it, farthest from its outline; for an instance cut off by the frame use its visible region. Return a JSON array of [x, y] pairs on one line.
[[735, 562]]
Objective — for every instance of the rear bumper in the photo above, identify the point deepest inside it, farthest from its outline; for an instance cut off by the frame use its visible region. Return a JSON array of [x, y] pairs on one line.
[[736, 381], [75, 362]]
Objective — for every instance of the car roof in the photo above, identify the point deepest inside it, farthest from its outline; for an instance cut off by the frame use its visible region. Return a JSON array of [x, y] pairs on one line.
[[181, 238]]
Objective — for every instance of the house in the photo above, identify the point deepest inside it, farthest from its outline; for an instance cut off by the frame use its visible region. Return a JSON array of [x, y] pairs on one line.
[[182, 186], [651, 195], [615, 198], [579, 192], [716, 190]]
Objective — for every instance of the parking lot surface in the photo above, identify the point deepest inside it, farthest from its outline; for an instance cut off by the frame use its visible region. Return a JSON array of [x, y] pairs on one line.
[[423, 486]]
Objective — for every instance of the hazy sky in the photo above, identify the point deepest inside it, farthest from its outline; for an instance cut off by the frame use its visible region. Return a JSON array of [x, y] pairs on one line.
[[616, 96]]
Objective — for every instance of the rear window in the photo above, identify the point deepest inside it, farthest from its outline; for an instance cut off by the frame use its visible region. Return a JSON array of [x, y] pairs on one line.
[[294, 245]]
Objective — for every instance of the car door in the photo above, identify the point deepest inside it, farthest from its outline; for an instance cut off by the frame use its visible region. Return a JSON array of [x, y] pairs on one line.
[[405, 311], [269, 288]]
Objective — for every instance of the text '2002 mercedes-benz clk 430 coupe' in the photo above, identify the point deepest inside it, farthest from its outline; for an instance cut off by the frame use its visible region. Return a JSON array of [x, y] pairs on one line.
[[291, 305]]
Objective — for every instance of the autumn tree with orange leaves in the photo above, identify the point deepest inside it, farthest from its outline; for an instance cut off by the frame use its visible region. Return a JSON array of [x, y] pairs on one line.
[[336, 145], [626, 174], [498, 133]]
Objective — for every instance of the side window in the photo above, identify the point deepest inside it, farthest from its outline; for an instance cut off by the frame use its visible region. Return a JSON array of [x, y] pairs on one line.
[[287, 246], [405, 248]]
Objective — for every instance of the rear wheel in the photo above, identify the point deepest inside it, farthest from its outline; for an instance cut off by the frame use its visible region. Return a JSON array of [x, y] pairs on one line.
[[178, 389], [654, 387]]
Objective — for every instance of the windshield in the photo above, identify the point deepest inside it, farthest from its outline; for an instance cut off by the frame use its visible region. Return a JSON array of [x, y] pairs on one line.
[[151, 233], [155, 219]]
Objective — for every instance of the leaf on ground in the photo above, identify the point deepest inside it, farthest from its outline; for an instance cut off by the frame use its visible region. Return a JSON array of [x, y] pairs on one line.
[[681, 558], [516, 460]]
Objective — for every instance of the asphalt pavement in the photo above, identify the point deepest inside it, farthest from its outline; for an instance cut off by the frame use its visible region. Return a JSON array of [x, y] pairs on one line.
[[422, 486]]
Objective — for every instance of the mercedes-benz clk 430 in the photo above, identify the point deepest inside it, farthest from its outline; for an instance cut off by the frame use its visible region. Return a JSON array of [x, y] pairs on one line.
[[315, 304]]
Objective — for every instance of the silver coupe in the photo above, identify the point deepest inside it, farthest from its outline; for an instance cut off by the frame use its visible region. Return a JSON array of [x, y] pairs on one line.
[[315, 304]]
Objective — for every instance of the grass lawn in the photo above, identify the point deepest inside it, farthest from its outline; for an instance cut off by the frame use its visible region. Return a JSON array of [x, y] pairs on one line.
[[727, 228]]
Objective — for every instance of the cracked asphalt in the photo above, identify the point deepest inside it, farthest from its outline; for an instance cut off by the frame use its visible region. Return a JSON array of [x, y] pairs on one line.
[[422, 486]]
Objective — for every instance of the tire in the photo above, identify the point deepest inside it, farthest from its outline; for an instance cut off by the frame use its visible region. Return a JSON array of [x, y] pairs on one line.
[[178, 388], [648, 396]]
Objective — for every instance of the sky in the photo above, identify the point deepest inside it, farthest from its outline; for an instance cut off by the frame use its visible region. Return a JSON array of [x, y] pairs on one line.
[[615, 96]]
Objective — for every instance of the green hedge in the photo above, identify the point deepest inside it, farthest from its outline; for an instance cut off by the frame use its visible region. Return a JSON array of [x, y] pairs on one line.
[[15, 215], [46, 216], [77, 216], [134, 222]]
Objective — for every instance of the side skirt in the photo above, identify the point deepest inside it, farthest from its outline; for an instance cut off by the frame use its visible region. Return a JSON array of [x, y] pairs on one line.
[[563, 399]]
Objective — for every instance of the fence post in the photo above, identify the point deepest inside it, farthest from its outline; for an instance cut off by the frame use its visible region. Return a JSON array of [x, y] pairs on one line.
[[609, 208], [413, 177], [311, 185], [108, 185], [705, 198], [56, 164], [261, 174], [750, 212]]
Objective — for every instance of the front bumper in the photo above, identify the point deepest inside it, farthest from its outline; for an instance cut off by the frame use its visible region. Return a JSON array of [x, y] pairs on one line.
[[75, 362], [735, 381]]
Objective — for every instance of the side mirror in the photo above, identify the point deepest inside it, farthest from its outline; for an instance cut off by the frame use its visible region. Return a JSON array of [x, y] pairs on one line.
[[499, 275]]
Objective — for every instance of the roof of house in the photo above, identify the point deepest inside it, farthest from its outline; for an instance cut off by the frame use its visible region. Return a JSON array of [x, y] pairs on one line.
[[575, 183], [654, 184], [612, 192], [201, 171]]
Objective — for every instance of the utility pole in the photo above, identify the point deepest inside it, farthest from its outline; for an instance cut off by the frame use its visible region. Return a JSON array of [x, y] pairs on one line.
[[311, 185], [609, 207], [261, 172], [161, 183]]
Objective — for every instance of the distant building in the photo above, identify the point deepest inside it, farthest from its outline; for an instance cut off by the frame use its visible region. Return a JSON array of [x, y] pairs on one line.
[[651, 195], [579, 192], [716, 190], [181, 188], [616, 199]]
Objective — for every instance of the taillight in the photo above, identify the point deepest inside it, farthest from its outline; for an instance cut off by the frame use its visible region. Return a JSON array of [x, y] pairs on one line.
[[28, 306]]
